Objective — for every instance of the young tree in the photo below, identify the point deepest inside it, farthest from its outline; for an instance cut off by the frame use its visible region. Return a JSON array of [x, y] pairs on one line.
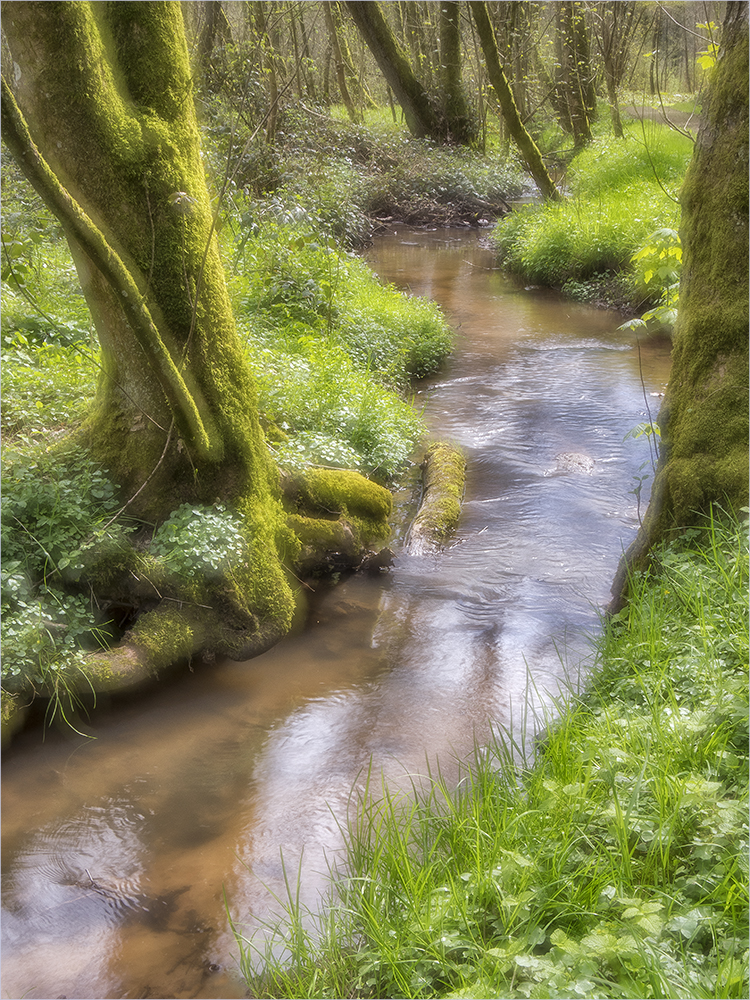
[[614, 25], [516, 128], [112, 146], [338, 59], [704, 417]]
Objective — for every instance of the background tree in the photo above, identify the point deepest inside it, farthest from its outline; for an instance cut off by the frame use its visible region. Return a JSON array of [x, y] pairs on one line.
[[215, 29], [341, 67], [704, 417], [576, 97], [395, 67], [523, 140], [461, 125], [614, 26]]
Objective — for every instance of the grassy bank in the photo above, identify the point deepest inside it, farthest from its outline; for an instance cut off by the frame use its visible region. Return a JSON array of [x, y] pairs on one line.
[[615, 866], [621, 194]]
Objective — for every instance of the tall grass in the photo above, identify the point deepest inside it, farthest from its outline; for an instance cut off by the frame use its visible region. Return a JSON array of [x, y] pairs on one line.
[[620, 192], [613, 866]]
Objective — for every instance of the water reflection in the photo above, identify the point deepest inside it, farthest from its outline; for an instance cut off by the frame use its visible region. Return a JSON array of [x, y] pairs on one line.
[[117, 852]]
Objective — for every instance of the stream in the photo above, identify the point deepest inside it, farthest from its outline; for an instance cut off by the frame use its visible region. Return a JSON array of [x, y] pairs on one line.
[[117, 851]]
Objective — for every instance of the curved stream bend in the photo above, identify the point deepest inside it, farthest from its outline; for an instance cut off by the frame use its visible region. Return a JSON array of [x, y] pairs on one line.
[[116, 851]]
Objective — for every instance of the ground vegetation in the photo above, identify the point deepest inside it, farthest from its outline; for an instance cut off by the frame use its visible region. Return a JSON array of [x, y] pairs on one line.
[[612, 864]]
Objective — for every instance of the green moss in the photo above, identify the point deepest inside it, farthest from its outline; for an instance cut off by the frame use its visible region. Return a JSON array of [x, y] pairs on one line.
[[443, 487], [12, 714], [324, 535], [168, 635], [342, 492], [705, 413]]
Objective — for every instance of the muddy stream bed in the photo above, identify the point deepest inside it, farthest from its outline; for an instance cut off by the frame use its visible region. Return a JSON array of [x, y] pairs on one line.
[[117, 851]]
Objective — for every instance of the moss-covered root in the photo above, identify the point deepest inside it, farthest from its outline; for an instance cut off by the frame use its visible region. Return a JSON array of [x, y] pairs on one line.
[[443, 477], [340, 518], [173, 633], [170, 634], [14, 711]]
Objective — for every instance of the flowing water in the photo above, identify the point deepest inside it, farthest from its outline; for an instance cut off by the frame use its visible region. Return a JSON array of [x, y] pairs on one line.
[[117, 851]]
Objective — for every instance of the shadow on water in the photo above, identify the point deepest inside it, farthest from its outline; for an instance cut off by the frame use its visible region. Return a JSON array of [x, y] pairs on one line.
[[116, 851]]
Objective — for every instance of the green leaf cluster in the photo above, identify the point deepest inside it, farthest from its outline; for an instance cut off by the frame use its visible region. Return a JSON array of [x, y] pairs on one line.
[[197, 541]]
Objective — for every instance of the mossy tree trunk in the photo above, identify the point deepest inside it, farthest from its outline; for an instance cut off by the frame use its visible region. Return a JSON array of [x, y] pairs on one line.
[[420, 115], [704, 417], [528, 148], [462, 128], [106, 91]]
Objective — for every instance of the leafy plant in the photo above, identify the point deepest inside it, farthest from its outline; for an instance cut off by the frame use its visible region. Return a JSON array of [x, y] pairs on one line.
[[44, 639], [656, 274], [51, 503], [198, 541]]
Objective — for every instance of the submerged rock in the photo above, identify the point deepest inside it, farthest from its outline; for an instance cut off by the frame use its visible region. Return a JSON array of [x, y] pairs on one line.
[[572, 461]]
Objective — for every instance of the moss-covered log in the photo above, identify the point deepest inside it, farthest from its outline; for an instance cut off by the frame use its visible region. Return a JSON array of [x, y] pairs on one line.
[[704, 417], [443, 478]]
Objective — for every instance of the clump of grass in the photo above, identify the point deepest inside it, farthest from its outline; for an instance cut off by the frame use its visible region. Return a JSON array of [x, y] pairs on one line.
[[621, 191], [613, 866]]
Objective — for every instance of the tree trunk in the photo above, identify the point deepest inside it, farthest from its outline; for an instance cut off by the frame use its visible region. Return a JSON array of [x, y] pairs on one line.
[[704, 417], [614, 25], [461, 128], [215, 28], [338, 58], [270, 61], [521, 137], [394, 66], [106, 89], [574, 80]]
